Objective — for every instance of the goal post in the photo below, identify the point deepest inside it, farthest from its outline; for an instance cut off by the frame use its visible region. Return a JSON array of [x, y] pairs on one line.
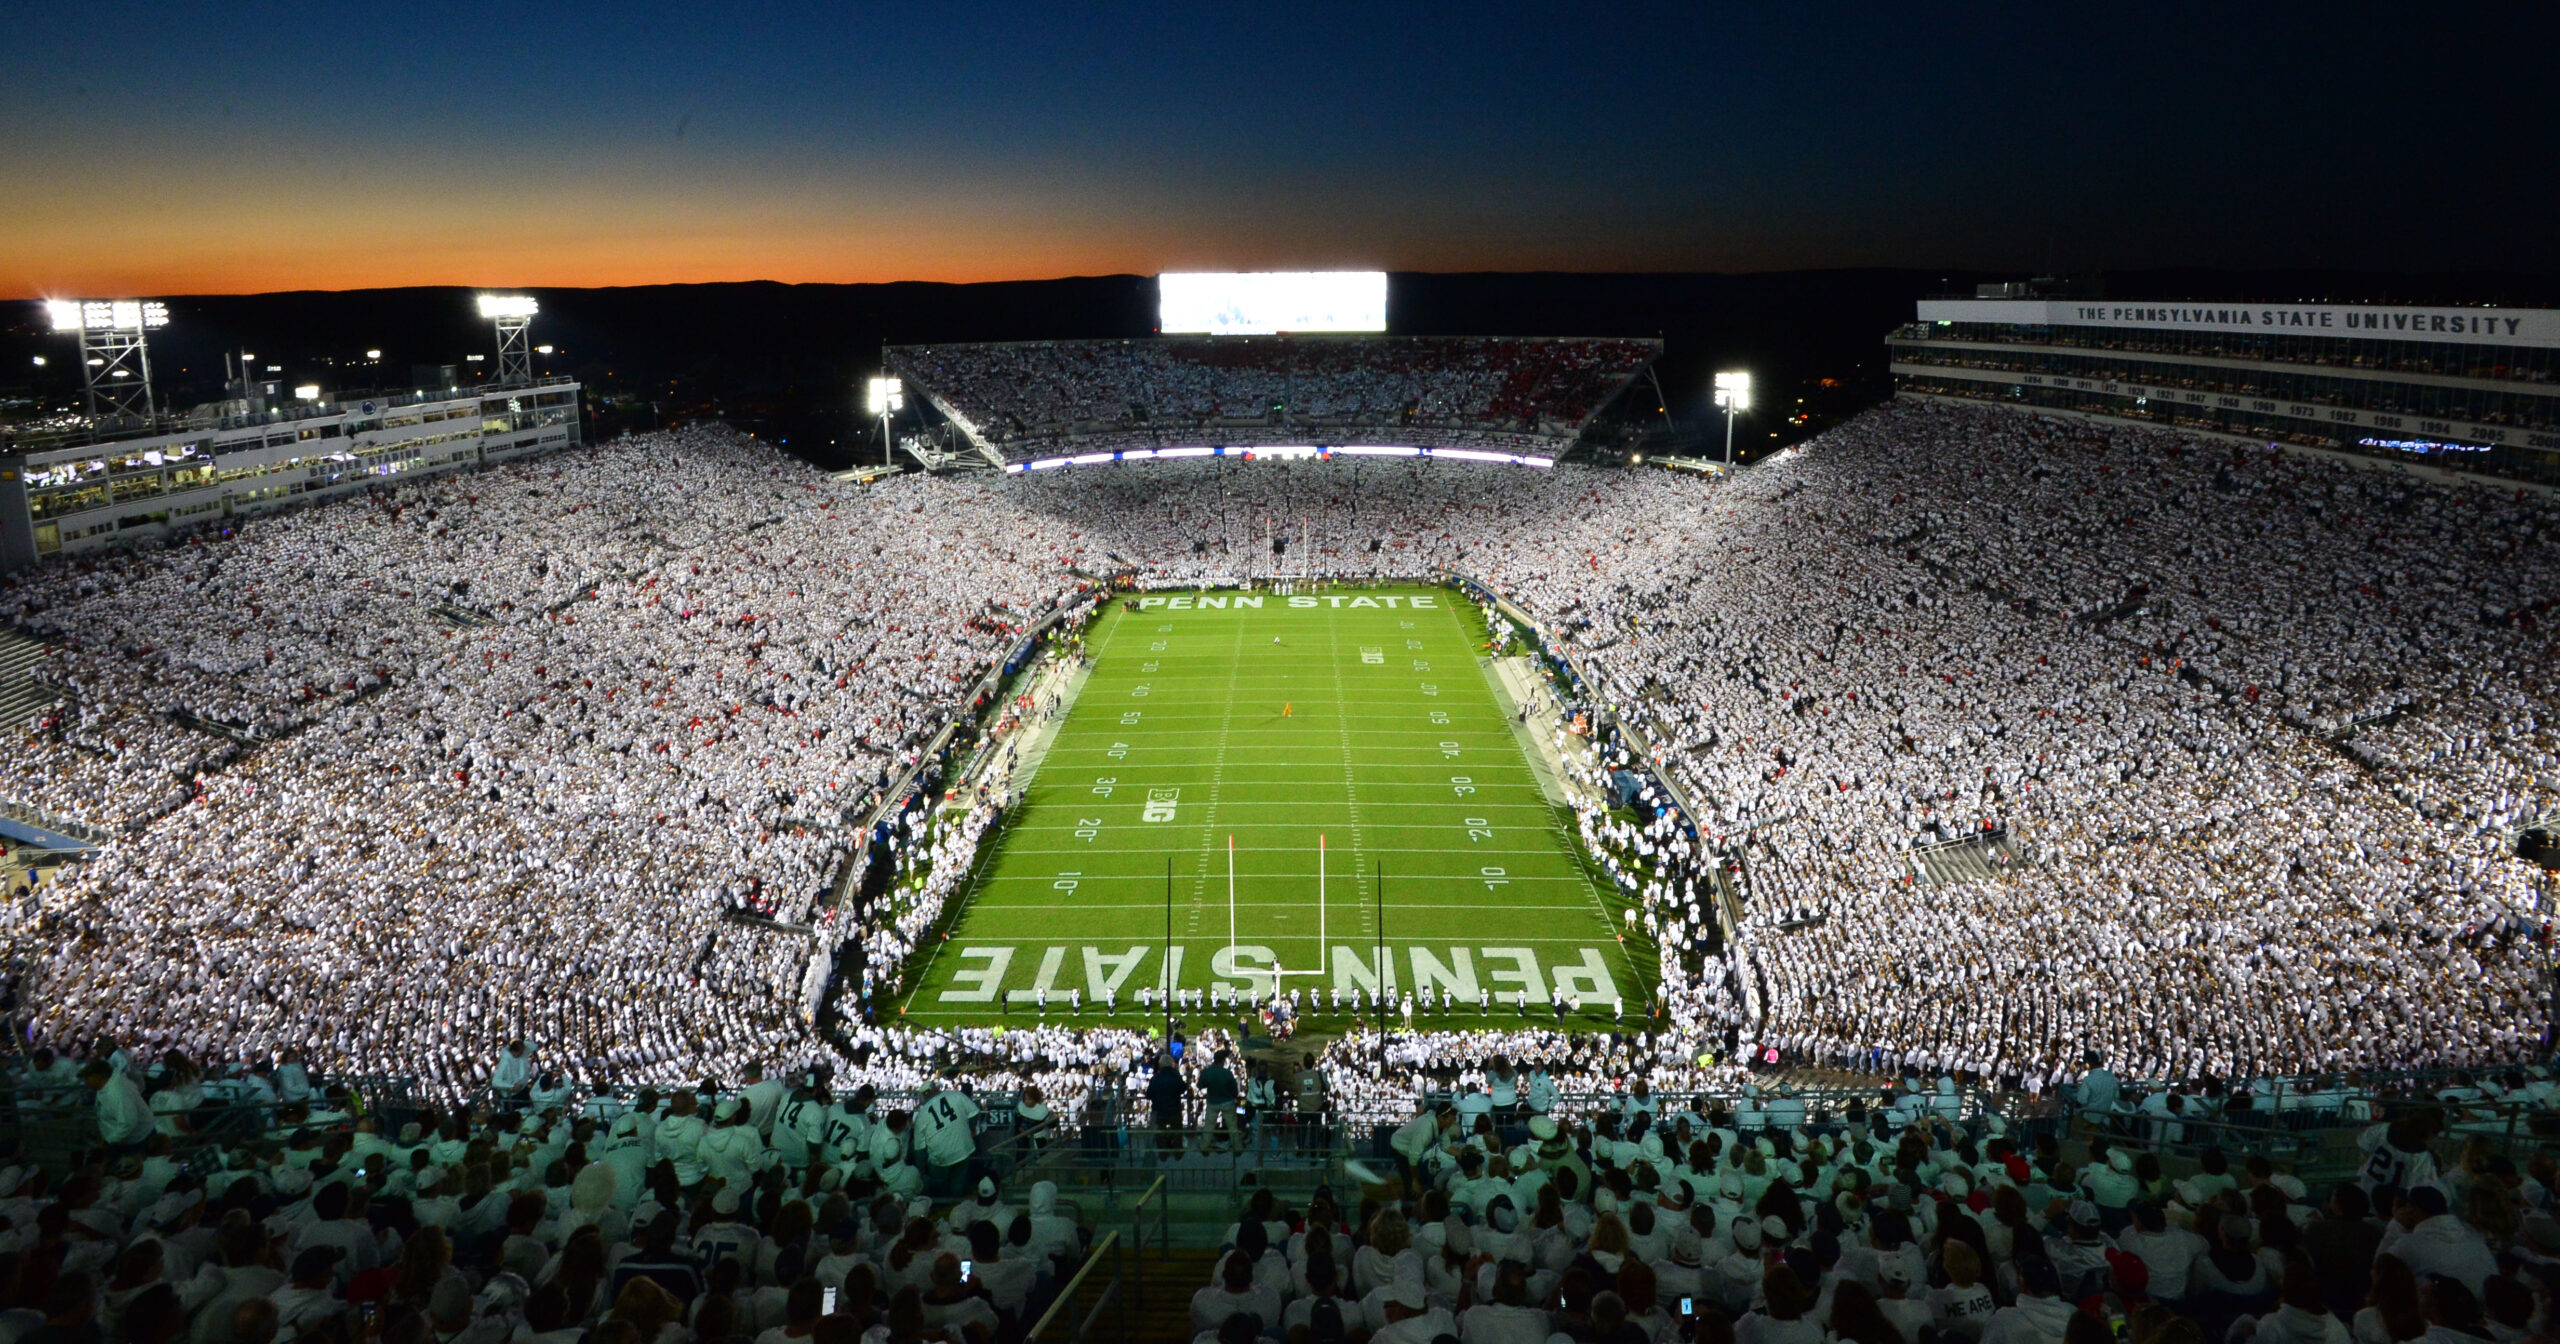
[[1277, 973]]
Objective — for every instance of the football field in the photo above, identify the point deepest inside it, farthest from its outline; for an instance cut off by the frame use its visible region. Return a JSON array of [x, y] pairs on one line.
[[1342, 803]]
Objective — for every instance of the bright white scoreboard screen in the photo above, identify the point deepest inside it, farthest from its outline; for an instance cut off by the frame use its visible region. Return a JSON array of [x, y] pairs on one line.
[[1259, 303]]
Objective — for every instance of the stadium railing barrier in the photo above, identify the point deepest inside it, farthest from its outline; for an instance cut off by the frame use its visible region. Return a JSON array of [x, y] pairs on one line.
[[2310, 1126], [1127, 1286], [1158, 1198], [1106, 1249]]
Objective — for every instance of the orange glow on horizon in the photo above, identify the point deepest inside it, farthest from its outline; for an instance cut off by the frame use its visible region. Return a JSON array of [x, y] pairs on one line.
[[192, 234], [214, 268]]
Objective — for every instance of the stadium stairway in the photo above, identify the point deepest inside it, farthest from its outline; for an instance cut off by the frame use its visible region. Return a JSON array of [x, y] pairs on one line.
[[1769, 880], [1159, 1297], [1983, 859], [20, 694]]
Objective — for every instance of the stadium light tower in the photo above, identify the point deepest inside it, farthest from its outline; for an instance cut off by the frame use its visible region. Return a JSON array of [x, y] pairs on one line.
[[113, 357], [1733, 393], [513, 314], [885, 398]]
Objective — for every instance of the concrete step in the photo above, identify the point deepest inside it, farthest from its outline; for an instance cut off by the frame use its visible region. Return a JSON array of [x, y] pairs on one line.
[[1159, 1296], [1153, 1302], [19, 704], [20, 695]]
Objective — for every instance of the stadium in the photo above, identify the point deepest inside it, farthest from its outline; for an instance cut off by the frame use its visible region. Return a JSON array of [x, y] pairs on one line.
[[1278, 806]]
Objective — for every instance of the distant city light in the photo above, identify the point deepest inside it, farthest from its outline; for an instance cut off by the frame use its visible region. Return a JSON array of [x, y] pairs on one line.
[[39, 361], [373, 354], [542, 349], [508, 305]]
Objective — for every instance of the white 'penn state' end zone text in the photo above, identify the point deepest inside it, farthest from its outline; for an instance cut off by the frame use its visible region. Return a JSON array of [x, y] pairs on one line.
[[1512, 974], [1207, 601]]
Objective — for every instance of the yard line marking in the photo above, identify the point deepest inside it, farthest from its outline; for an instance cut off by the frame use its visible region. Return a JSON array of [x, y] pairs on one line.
[[1382, 743], [1310, 876], [1292, 849], [1467, 917], [1217, 777], [988, 857], [1368, 916]]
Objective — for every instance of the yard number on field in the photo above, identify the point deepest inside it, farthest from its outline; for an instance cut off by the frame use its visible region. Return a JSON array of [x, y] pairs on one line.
[[1478, 829]]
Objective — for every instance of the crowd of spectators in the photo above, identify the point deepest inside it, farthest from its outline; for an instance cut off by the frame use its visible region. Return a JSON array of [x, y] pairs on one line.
[[1490, 1221], [531, 740], [538, 820], [2138, 656], [1033, 390], [775, 1211]]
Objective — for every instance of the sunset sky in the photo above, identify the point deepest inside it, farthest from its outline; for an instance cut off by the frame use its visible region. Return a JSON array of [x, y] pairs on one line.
[[218, 149]]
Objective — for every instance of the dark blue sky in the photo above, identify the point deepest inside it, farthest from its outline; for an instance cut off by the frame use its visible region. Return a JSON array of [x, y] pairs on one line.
[[241, 148]]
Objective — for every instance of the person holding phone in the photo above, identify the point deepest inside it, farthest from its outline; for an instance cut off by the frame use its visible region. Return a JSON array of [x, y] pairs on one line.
[[954, 1303], [1006, 1279]]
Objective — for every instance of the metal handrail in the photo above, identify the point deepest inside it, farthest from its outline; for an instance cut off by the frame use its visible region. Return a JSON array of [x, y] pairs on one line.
[[1109, 1244], [1138, 1233], [210, 1123], [1164, 1217]]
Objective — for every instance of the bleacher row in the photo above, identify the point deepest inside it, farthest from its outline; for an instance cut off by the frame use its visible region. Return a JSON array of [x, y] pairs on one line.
[[1452, 391], [151, 1204]]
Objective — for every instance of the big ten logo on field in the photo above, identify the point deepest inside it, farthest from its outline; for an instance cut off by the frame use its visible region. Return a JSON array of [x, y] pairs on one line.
[[1160, 804]]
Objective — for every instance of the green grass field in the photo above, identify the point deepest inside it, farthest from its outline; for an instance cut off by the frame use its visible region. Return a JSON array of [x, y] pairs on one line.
[[1362, 716]]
